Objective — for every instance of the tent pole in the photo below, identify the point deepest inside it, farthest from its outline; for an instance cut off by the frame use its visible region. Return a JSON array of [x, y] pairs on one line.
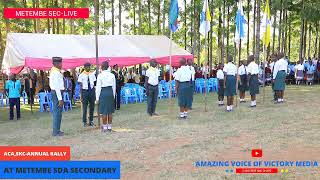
[[97, 51], [31, 109], [170, 71]]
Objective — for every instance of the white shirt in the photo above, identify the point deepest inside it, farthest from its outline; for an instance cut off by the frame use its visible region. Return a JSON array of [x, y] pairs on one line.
[[299, 67], [271, 66], [242, 70], [280, 65], [153, 76], [83, 78], [105, 79], [220, 74], [56, 82], [230, 69], [193, 72], [253, 68], [183, 74]]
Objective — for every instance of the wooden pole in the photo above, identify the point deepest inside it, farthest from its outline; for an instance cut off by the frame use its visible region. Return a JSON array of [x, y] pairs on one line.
[[237, 73], [170, 71], [97, 47]]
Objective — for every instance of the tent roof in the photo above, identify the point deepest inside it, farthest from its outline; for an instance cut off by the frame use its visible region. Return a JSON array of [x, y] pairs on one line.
[[36, 50]]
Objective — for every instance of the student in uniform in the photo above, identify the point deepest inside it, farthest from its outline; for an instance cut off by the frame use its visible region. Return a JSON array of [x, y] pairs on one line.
[[192, 83], [152, 89], [243, 83], [220, 77], [299, 72], [230, 72], [253, 71], [183, 78], [13, 91], [119, 83], [279, 76], [274, 60], [105, 95], [57, 86], [86, 80]]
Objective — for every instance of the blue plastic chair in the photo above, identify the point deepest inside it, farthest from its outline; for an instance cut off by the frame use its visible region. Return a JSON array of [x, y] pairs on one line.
[[43, 101], [215, 84], [67, 105], [77, 91], [141, 93], [1, 100], [129, 95], [200, 85], [24, 97]]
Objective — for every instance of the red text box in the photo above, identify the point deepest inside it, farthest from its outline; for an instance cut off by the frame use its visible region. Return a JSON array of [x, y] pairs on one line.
[[36, 13], [256, 170], [34, 153]]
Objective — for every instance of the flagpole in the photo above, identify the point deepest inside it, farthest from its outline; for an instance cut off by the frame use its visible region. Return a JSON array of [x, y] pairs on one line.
[[170, 70], [237, 75], [97, 49], [206, 62], [264, 73]]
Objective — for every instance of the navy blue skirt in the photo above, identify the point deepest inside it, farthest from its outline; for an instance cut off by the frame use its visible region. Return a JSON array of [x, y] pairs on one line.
[[230, 89], [184, 95], [106, 101]]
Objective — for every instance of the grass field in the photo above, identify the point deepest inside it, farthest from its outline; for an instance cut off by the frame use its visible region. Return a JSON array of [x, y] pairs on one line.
[[166, 148]]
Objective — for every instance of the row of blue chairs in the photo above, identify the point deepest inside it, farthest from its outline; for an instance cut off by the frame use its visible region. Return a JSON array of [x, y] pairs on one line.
[[45, 101], [210, 85]]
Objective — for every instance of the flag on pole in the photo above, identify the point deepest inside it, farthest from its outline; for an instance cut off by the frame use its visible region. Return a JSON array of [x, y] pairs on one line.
[[266, 25], [240, 22], [205, 19], [173, 15]]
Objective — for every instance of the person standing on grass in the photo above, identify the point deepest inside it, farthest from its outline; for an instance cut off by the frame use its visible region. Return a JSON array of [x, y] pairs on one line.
[[230, 72], [299, 72], [119, 83], [243, 83], [86, 80], [279, 76], [13, 91], [253, 71], [220, 77], [274, 60], [192, 83], [57, 86], [183, 76], [105, 95], [151, 85]]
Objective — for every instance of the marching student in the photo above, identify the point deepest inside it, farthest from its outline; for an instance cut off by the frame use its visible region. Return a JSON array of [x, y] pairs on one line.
[[105, 95], [230, 72], [243, 83], [152, 89], [86, 80], [13, 91], [253, 71], [183, 78], [299, 72], [192, 83], [220, 77], [279, 76], [57, 86]]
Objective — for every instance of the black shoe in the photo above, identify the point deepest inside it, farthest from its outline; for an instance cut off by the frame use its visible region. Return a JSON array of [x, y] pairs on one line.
[[85, 124], [59, 134], [11, 119], [150, 114], [18, 119], [92, 124]]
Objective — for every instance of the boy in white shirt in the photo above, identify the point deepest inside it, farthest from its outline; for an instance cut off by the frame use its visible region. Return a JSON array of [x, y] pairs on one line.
[[151, 85]]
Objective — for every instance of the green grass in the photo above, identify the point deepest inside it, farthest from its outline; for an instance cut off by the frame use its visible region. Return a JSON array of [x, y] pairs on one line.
[[166, 148]]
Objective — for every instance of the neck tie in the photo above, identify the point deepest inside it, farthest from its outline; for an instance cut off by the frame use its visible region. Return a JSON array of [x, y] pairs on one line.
[[245, 70], [89, 86]]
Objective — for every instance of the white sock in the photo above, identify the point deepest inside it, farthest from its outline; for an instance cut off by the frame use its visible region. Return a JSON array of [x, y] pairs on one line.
[[279, 100], [231, 107], [252, 103], [185, 114], [109, 126], [181, 114], [228, 108], [255, 102], [105, 126]]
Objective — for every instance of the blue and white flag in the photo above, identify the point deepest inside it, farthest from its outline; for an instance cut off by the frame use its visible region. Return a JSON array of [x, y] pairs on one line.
[[173, 15], [240, 24], [205, 19]]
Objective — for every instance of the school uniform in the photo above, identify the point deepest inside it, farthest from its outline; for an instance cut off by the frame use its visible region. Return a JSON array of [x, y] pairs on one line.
[[87, 80], [152, 89], [279, 74], [299, 72], [243, 84], [310, 72], [253, 71], [119, 83], [183, 76], [220, 77], [57, 87], [106, 92], [13, 89], [230, 70]]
